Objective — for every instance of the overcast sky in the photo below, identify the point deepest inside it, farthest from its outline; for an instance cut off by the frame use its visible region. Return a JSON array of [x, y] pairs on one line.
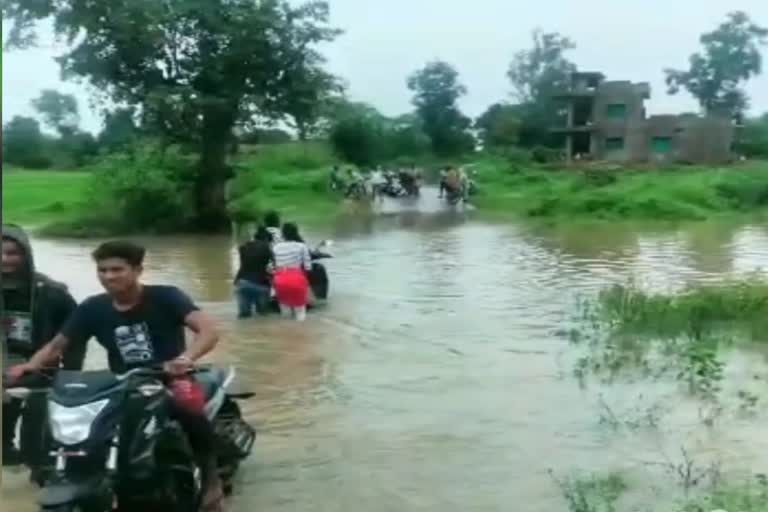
[[385, 40]]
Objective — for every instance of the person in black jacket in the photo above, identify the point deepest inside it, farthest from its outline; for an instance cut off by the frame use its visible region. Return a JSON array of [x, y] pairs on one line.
[[35, 308], [253, 279]]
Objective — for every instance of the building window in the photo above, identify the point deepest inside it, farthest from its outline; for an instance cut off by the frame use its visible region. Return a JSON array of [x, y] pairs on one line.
[[614, 144], [661, 145], [616, 111]]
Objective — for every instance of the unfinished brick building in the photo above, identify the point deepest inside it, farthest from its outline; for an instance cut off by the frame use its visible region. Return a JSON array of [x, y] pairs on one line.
[[606, 120]]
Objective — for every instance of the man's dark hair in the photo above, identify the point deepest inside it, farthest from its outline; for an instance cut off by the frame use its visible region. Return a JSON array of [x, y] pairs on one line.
[[272, 219], [262, 234], [291, 232], [132, 253]]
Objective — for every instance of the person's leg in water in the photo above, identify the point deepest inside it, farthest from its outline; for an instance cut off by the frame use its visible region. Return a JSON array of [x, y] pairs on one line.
[[285, 311], [443, 188], [11, 414], [202, 439], [244, 301], [300, 313]]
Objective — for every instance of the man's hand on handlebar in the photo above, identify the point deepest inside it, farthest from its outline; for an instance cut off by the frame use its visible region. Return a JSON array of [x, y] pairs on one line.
[[17, 372], [179, 367]]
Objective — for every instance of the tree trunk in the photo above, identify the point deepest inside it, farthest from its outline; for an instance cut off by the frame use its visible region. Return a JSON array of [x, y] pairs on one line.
[[213, 173]]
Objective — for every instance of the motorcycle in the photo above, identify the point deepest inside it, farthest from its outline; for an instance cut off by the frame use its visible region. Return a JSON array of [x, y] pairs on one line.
[[318, 276], [114, 442], [392, 187]]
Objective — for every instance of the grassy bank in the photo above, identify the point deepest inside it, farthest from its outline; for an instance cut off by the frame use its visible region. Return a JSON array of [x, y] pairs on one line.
[[675, 194], [290, 178], [35, 198], [293, 179]]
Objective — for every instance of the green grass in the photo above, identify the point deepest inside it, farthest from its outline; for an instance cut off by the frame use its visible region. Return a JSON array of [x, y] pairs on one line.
[[35, 198], [741, 306], [293, 178], [675, 194], [290, 178]]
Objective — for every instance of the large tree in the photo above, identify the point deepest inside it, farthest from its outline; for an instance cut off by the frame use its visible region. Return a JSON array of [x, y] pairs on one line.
[[196, 68], [59, 111], [536, 74], [731, 56], [499, 125], [437, 90]]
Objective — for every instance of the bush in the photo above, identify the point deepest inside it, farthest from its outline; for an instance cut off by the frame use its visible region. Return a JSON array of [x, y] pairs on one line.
[[148, 190]]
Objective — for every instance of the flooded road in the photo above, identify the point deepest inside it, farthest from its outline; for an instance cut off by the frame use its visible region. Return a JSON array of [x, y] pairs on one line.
[[436, 378]]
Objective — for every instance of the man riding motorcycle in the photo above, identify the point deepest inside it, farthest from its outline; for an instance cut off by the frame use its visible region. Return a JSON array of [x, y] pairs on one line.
[[143, 325], [35, 308]]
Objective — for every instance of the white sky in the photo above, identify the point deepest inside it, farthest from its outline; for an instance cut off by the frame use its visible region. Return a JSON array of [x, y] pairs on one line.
[[385, 40]]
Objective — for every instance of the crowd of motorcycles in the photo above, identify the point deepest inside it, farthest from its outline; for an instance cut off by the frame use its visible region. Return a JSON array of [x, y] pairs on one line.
[[395, 184]]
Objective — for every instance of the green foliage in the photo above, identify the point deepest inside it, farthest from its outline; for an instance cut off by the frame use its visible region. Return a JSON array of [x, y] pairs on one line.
[[437, 90], [593, 493], [265, 136], [696, 311], [195, 69], [536, 75], [33, 198], [363, 136], [750, 497], [24, 144], [120, 130], [146, 190], [499, 126], [358, 140], [752, 140], [675, 194], [60, 111], [731, 56]]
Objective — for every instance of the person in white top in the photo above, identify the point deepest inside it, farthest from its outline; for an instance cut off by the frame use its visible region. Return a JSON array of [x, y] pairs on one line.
[[292, 262]]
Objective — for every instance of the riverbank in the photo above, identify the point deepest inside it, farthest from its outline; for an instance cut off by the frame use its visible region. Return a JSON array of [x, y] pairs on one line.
[[674, 194], [290, 178], [293, 178]]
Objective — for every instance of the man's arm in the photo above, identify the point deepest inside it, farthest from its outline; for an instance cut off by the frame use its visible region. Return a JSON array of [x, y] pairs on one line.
[[206, 335], [50, 354], [73, 355]]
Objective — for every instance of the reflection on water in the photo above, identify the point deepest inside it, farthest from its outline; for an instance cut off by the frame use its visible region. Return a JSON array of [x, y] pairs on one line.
[[435, 379]]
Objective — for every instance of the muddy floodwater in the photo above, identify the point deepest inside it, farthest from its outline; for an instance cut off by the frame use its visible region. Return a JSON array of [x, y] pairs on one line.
[[437, 378]]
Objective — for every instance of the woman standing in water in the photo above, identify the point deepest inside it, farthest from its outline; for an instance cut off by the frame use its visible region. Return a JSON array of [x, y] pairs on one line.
[[292, 262]]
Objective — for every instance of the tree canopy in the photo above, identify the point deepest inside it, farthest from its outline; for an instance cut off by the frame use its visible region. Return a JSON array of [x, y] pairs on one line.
[[731, 55], [59, 111], [194, 68], [535, 75], [437, 89]]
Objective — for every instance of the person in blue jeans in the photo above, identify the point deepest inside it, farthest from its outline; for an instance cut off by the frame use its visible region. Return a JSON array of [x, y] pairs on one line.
[[253, 278]]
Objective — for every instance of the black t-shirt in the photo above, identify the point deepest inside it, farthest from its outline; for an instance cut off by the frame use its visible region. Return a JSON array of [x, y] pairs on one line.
[[255, 257], [150, 333]]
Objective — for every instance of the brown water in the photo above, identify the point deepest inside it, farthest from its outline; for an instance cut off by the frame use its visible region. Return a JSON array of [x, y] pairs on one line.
[[436, 380]]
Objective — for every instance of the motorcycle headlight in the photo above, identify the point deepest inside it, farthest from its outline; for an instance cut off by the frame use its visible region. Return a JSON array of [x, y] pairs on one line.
[[72, 425]]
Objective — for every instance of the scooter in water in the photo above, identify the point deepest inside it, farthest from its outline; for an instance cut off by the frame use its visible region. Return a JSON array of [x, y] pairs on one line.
[[318, 277], [115, 443]]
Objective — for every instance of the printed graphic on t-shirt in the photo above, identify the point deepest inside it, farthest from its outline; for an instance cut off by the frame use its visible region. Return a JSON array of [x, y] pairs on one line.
[[134, 343], [18, 326]]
